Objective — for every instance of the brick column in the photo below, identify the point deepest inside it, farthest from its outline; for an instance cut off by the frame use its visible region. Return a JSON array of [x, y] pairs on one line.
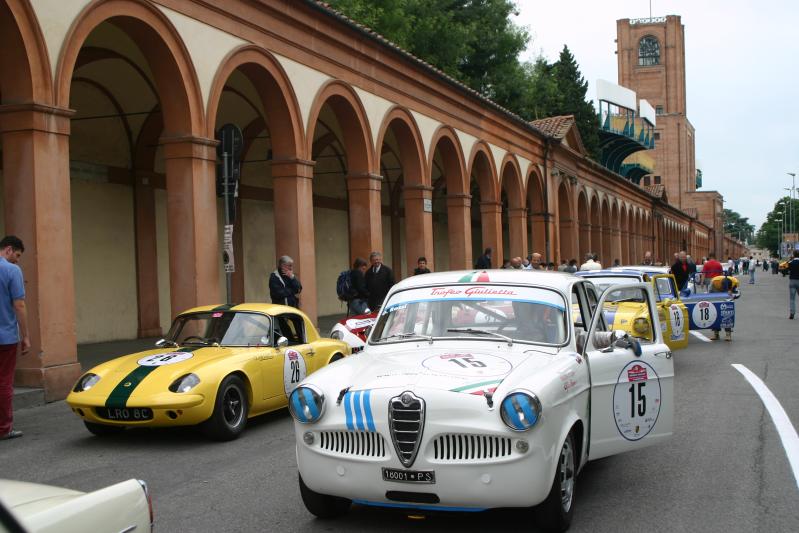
[[605, 253], [146, 256], [195, 249], [459, 223], [38, 210], [418, 226], [517, 218], [539, 231], [294, 224], [585, 241], [366, 224], [566, 240], [615, 242], [491, 219]]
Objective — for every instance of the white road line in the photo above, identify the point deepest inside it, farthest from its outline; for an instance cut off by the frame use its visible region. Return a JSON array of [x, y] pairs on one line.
[[790, 440], [700, 336]]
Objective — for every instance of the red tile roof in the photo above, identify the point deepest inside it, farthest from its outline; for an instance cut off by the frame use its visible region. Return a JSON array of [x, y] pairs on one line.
[[556, 127]]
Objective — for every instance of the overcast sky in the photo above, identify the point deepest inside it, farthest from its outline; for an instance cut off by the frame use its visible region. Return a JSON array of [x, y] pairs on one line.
[[742, 61]]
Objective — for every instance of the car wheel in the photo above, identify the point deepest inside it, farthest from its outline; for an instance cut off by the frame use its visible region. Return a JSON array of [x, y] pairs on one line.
[[337, 357], [230, 410], [322, 505], [101, 430], [555, 513]]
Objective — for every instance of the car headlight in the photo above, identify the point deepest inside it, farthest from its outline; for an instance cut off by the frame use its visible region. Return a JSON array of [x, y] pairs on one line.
[[185, 383], [520, 410], [336, 334], [306, 404], [86, 382], [641, 326]]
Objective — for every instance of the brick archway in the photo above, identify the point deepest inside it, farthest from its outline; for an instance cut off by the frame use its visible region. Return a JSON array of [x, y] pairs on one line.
[[537, 214], [458, 198], [584, 221], [511, 184], [566, 230], [416, 186], [484, 182]]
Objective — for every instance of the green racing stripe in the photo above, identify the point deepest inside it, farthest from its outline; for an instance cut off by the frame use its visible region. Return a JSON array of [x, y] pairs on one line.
[[121, 393]]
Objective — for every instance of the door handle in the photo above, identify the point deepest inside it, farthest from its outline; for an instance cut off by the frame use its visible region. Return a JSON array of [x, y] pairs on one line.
[[311, 352], [265, 357]]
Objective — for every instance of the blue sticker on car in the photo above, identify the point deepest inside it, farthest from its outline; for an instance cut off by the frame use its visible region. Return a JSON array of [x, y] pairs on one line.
[[358, 411]]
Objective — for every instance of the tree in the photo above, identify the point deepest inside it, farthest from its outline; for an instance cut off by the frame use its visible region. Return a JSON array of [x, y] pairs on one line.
[[477, 43], [769, 235], [738, 226]]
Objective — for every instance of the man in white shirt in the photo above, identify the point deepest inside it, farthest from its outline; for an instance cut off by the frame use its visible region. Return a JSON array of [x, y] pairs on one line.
[[591, 262]]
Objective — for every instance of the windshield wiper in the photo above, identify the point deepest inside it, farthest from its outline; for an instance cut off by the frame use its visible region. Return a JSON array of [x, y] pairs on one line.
[[473, 331], [429, 338]]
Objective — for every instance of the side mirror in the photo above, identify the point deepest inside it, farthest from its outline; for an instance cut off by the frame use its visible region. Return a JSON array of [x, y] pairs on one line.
[[160, 343], [282, 342]]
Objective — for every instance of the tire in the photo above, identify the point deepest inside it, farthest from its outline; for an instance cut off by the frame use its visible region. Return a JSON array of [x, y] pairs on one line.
[[555, 513], [103, 430], [336, 357], [322, 505], [230, 410]]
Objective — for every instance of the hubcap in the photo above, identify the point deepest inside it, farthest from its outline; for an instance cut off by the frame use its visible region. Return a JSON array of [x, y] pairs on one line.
[[232, 407], [566, 473]]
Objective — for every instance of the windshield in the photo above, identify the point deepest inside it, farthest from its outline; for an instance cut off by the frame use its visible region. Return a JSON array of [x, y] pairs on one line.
[[602, 283], [479, 312], [225, 328]]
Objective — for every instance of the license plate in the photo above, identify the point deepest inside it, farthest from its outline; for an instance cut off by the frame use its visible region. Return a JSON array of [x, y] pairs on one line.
[[127, 414], [409, 476]]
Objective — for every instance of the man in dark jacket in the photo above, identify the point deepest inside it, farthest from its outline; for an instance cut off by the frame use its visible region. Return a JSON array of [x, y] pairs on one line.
[[358, 301], [793, 283], [484, 261], [284, 287], [683, 270], [379, 279]]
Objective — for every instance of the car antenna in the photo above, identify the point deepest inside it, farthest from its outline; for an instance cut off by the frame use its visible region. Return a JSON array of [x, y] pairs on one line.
[[341, 394]]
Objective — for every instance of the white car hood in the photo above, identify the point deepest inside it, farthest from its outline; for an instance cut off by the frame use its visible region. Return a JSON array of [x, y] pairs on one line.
[[467, 370]]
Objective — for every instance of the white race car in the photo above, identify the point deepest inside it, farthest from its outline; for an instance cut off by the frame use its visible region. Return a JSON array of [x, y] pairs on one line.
[[479, 390]]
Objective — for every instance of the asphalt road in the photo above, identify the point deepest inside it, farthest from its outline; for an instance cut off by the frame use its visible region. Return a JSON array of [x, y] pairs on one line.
[[725, 469]]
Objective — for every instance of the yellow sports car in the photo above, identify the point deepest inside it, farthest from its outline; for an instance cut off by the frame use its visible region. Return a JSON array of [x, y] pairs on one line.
[[217, 366], [628, 315]]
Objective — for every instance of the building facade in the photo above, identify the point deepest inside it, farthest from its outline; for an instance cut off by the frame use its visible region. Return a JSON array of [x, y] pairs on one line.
[[108, 114]]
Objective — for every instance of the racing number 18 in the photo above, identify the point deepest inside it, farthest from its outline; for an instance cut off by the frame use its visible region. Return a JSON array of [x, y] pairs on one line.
[[640, 401]]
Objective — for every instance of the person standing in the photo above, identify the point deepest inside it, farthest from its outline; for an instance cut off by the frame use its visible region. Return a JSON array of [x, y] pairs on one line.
[[793, 282], [13, 329], [284, 287], [359, 296], [710, 270], [750, 266], [484, 261], [591, 263], [682, 270], [379, 280], [421, 267], [648, 259]]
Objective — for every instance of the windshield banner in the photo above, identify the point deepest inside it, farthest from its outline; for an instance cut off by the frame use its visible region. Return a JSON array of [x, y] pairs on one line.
[[477, 293]]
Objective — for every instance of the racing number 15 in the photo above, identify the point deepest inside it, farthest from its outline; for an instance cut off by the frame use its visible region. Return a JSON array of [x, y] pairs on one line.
[[462, 362], [637, 399]]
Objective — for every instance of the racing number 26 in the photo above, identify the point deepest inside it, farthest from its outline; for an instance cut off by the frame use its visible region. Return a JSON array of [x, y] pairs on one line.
[[465, 362], [637, 399], [295, 371]]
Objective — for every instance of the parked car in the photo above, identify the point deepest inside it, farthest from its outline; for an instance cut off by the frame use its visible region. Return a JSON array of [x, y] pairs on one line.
[[217, 366], [474, 394], [354, 330], [624, 314], [36, 508]]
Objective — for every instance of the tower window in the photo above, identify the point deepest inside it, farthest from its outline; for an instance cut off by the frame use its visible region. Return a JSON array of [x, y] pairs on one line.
[[648, 51], [659, 110], [657, 180], [657, 135]]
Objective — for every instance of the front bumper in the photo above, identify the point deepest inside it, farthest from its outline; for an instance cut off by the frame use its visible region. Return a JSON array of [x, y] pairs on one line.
[[168, 410]]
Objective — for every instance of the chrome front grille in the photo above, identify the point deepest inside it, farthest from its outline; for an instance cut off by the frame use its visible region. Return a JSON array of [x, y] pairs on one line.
[[406, 423], [463, 447], [353, 443]]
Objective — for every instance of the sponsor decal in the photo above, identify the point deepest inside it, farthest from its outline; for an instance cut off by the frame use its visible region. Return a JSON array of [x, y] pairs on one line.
[[359, 323], [677, 322], [294, 370], [468, 365], [443, 292], [358, 411], [569, 384], [636, 400]]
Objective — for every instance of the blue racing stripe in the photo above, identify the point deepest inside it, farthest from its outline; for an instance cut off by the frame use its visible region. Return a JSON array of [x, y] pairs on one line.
[[527, 409], [513, 416], [295, 401], [421, 507], [367, 409], [348, 410], [309, 401], [356, 400]]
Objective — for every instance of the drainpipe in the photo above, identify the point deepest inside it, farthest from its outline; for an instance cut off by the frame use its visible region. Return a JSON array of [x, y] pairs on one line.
[[548, 244]]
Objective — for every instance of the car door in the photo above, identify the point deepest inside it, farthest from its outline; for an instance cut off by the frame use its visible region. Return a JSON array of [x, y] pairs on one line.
[[632, 396], [292, 361], [675, 332]]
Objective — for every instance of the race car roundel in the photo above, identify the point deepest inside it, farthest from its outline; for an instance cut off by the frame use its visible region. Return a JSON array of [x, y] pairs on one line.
[[636, 400], [294, 370]]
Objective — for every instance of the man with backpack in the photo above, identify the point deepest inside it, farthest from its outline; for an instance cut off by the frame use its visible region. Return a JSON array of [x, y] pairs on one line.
[[351, 287]]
